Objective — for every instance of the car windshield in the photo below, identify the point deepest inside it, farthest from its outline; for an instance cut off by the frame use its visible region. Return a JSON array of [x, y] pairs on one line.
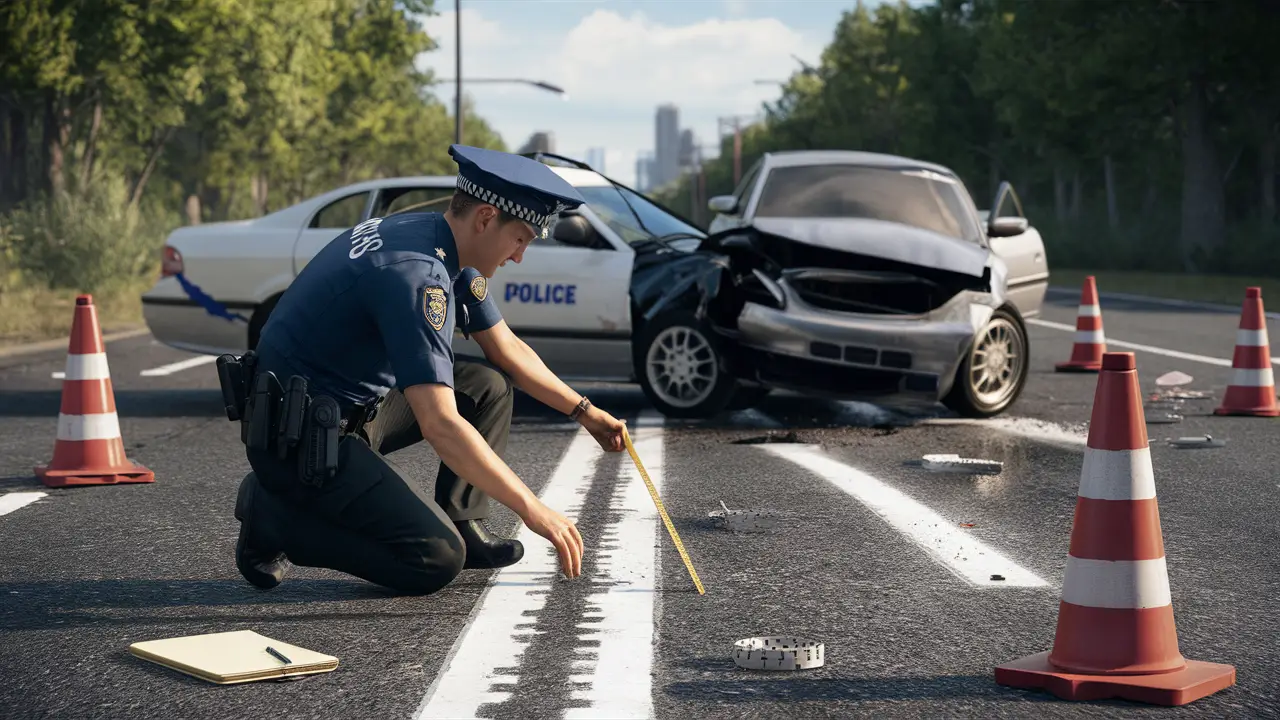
[[608, 202], [920, 199]]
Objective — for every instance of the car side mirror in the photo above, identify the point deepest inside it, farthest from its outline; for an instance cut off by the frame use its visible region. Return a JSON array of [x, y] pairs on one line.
[[1007, 226], [575, 231], [726, 204]]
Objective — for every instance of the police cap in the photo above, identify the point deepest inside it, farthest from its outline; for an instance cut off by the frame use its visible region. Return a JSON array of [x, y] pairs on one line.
[[525, 188]]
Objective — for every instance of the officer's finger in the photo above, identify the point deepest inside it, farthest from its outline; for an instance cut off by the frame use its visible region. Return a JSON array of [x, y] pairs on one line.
[[566, 559], [576, 541]]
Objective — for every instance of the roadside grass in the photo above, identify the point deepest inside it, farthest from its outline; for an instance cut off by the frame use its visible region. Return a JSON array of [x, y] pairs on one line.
[[30, 314], [1221, 289]]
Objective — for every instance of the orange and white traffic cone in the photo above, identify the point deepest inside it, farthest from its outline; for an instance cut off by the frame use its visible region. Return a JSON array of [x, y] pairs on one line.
[[89, 449], [1116, 635], [1090, 341], [1253, 387]]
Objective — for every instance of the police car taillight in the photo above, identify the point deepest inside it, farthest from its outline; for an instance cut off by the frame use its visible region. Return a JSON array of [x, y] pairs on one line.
[[171, 262]]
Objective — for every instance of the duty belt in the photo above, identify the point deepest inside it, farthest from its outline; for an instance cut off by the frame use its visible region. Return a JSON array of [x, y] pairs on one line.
[[280, 418]]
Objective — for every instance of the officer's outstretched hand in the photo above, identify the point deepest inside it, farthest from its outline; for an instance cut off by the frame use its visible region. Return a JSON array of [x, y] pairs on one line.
[[605, 428], [562, 533]]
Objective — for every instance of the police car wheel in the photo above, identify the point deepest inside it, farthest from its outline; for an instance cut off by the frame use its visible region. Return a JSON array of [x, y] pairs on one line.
[[682, 368], [994, 370]]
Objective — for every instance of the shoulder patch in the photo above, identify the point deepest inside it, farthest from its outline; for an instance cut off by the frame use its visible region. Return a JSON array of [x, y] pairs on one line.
[[435, 306], [479, 288]]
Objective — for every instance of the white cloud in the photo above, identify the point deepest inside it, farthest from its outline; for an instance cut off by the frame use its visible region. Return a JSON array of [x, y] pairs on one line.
[[616, 70]]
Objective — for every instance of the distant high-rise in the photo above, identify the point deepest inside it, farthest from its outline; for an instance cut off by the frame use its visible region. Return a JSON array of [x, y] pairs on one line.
[[688, 151], [595, 158], [644, 172], [539, 142], [666, 145]]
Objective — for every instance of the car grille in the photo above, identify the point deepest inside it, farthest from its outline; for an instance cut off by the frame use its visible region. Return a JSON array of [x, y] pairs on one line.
[[866, 295]]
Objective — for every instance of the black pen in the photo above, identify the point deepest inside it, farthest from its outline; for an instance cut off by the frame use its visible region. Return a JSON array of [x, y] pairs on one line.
[[275, 652]]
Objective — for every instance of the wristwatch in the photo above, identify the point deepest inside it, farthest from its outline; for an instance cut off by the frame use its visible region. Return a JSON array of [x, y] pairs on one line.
[[580, 408]]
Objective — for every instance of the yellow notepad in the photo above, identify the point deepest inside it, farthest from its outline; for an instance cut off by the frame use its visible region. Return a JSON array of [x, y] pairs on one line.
[[233, 657]]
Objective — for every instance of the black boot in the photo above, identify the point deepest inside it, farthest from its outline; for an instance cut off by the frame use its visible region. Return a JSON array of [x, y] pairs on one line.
[[485, 550], [257, 561]]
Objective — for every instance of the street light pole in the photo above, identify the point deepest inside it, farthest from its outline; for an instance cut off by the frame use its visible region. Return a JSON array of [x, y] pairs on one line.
[[457, 79]]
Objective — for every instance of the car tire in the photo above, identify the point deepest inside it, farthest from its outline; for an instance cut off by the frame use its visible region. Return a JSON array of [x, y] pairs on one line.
[[686, 347], [748, 396], [982, 391]]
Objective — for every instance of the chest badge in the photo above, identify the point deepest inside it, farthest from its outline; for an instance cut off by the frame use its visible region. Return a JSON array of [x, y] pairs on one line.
[[440, 253], [435, 306], [479, 288]]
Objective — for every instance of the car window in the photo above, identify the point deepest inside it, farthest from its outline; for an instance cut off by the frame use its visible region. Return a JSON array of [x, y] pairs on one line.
[[919, 199], [743, 191], [608, 202], [344, 213], [411, 199]]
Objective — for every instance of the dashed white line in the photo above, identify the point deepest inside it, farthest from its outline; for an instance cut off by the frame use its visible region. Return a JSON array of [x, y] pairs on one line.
[[1112, 342], [621, 614], [491, 638], [968, 558], [172, 368], [18, 500]]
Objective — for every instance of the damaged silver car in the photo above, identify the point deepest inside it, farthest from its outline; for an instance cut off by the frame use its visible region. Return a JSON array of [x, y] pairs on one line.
[[844, 275]]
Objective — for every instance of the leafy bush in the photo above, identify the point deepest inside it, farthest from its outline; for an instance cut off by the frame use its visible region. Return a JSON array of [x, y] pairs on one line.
[[91, 241]]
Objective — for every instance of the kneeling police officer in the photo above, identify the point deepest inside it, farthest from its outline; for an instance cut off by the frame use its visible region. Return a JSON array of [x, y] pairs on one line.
[[356, 362]]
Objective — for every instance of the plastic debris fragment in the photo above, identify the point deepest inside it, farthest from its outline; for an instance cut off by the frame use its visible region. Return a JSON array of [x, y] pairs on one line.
[[1208, 441], [951, 462]]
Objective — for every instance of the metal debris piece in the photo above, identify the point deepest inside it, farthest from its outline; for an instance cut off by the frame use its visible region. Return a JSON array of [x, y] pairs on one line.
[[744, 520], [1207, 441], [951, 462]]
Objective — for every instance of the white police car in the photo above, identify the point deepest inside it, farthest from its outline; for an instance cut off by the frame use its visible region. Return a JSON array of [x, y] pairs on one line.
[[625, 290]]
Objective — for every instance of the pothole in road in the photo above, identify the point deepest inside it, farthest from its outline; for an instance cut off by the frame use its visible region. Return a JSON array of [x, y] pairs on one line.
[[769, 438]]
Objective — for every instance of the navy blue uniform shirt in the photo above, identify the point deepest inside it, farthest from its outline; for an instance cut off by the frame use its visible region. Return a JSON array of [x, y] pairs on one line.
[[375, 309]]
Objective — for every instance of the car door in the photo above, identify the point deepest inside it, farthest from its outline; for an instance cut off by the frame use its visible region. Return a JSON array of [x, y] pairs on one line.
[[1022, 253], [569, 302], [328, 223]]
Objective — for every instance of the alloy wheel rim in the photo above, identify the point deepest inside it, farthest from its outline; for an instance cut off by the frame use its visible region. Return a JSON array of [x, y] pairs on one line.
[[996, 363], [681, 366]]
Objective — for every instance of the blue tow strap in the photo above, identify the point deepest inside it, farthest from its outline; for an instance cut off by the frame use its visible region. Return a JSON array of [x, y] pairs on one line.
[[213, 307]]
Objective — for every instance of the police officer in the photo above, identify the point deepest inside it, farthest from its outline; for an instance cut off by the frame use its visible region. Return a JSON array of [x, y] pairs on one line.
[[369, 323]]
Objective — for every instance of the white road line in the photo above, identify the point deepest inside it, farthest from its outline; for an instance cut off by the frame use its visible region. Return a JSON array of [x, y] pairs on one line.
[[58, 374], [1042, 431], [18, 500], [1112, 342], [958, 551], [172, 368], [1151, 300], [621, 615], [491, 638]]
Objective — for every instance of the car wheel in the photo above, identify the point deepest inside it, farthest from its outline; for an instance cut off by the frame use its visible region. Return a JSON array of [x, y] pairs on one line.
[[748, 396], [995, 370], [682, 367]]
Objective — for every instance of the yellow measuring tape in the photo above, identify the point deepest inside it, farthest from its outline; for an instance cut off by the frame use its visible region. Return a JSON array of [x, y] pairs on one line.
[[653, 493]]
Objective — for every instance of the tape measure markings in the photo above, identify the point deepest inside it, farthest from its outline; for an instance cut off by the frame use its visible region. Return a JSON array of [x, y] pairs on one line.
[[653, 493], [778, 652]]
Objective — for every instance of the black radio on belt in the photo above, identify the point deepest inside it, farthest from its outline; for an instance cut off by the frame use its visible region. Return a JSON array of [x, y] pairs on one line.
[[318, 459]]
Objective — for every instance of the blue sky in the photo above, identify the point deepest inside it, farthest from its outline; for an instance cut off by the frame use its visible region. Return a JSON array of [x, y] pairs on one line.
[[619, 60]]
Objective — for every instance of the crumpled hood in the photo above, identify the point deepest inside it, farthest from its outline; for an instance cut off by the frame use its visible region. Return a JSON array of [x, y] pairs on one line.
[[878, 238]]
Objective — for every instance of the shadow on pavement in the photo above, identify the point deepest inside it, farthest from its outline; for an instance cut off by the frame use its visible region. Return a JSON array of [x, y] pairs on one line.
[[782, 409], [73, 603], [757, 687]]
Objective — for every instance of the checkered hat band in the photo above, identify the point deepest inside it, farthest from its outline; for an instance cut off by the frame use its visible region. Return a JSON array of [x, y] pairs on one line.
[[503, 204]]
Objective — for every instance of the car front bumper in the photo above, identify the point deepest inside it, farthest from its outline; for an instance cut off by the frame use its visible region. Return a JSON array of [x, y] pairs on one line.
[[807, 348]]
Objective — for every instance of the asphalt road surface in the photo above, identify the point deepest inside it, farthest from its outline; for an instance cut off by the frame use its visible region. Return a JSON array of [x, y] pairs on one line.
[[886, 563]]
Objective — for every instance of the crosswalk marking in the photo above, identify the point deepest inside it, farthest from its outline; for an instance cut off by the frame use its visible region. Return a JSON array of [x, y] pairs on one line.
[[620, 676], [492, 638], [961, 553], [18, 500]]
